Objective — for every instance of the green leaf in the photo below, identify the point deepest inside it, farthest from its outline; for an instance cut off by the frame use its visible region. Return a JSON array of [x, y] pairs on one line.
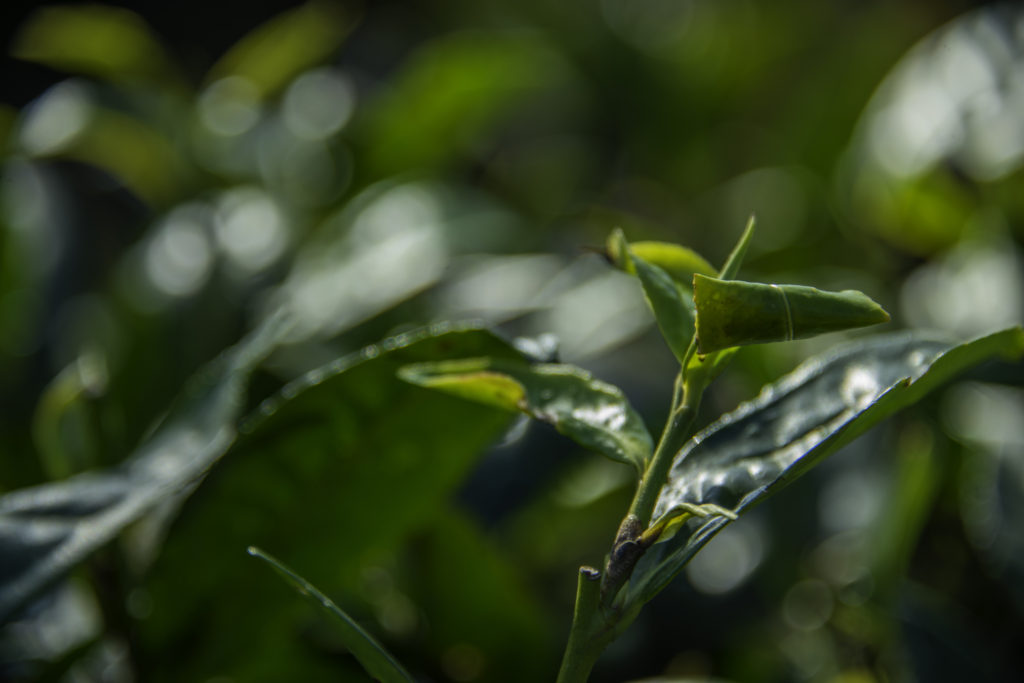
[[735, 313], [702, 367], [676, 260], [735, 260], [474, 594], [457, 88], [46, 530], [672, 311], [276, 52], [377, 661], [132, 150], [97, 40], [593, 413], [793, 425], [335, 471]]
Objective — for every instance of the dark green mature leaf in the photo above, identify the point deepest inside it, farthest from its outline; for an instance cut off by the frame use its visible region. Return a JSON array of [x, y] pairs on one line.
[[48, 529], [593, 413], [377, 661], [733, 313], [795, 423], [672, 310], [334, 473]]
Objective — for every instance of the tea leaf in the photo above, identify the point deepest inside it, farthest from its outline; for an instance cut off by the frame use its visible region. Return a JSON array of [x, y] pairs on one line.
[[377, 661], [593, 413], [793, 425], [679, 262], [672, 311], [735, 313], [46, 530]]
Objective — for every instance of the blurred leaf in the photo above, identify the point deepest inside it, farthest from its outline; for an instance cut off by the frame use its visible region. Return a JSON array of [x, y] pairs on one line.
[[914, 488], [593, 413], [48, 529], [735, 313], [672, 311], [130, 149], [281, 49], [482, 617], [334, 471], [452, 92], [377, 661], [98, 40], [795, 423], [63, 436]]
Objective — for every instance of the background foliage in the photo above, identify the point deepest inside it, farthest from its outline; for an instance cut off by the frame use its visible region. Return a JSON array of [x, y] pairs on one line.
[[174, 179]]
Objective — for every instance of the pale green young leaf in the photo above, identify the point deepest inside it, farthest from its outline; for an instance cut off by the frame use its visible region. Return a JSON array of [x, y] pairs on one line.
[[678, 261], [672, 311], [593, 413]]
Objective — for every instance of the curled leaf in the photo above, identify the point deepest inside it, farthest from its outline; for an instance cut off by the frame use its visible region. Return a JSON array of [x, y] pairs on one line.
[[735, 313]]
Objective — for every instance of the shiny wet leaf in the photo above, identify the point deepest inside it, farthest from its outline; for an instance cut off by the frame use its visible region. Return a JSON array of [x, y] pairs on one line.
[[795, 423], [593, 413]]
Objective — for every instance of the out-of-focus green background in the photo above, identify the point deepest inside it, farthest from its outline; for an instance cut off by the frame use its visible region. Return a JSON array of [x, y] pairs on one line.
[[173, 173]]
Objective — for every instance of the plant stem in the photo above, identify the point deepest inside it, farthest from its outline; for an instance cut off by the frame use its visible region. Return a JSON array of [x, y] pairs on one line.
[[589, 635], [595, 623], [677, 430]]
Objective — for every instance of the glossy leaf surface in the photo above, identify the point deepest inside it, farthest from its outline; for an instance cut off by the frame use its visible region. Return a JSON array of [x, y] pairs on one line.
[[377, 661], [593, 413], [735, 313], [46, 530], [795, 423]]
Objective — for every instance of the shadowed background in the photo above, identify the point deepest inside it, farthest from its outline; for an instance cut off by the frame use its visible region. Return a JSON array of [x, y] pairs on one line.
[[172, 174]]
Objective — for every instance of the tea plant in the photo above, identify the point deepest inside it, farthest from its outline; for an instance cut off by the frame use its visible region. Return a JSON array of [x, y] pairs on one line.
[[689, 484]]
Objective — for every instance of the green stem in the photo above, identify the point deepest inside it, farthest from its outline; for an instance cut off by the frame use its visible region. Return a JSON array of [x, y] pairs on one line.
[[678, 429], [595, 622], [589, 634]]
